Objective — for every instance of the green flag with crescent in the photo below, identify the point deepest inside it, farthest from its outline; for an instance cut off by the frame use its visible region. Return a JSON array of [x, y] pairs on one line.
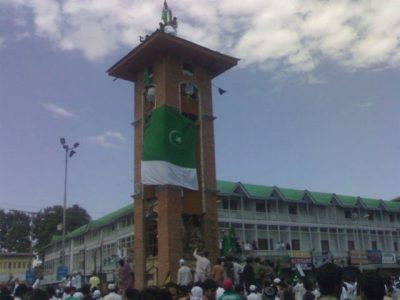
[[228, 243], [169, 149]]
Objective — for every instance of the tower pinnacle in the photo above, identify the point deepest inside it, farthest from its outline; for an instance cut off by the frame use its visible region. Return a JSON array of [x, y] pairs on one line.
[[169, 24]]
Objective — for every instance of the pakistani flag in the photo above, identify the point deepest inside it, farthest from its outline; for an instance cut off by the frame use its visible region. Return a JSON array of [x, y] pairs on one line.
[[169, 149]]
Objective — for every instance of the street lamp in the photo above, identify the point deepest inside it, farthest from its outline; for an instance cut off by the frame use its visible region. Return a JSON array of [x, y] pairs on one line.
[[69, 152]]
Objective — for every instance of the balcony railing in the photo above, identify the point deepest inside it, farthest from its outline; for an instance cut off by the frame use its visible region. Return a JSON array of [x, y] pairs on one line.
[[313, 217]]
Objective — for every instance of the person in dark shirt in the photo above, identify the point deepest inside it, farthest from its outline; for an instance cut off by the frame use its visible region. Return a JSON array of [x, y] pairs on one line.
[[372, 286], [248, 274], [309, 288]]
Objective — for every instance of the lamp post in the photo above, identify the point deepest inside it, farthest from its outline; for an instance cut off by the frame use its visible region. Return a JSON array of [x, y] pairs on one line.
[[69, 152]]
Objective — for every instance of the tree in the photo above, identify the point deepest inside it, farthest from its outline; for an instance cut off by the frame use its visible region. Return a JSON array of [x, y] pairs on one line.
[[47, 220], [15, 232], [3, 230]]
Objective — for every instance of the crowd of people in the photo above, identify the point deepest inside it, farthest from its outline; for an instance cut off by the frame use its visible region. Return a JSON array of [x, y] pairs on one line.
[[228, 279]]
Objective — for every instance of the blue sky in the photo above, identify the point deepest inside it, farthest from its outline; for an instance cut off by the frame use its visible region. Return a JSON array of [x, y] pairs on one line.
[[313, 103]]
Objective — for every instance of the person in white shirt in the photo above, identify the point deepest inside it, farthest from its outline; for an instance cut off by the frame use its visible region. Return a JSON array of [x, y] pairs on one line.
[[347, 291], [76, 280], [237, 269], [36, 284], [253, 293], [203, 266], [299, 290], [112, 295], [185, 277], [96, 294]]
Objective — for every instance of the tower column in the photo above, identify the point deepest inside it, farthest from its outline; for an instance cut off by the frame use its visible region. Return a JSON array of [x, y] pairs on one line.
[[139, 244], [170, 231]]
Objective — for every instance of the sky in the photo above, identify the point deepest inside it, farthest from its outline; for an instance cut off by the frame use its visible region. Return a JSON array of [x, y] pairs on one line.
[[313, 103]]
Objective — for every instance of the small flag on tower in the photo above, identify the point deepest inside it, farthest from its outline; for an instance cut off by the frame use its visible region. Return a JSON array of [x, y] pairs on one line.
[[166, 14]]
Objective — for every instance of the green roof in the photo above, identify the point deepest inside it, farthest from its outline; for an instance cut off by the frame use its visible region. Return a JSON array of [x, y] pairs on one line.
[[226, 187], [94, 224], [371, 203], [291, 194], [349, 201], [264, 191], [111, 217], [55, 238], [78, 231], [391, 205], [321, 198], [260, 191]]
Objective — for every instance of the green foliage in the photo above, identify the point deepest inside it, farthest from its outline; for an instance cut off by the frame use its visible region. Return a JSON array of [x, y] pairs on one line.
[[15, 232], [3, 229], [48, 223]]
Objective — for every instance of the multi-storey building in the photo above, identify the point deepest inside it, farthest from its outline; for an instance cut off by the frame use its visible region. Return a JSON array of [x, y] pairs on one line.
[[293, 226], [94, 247], [15, 265]]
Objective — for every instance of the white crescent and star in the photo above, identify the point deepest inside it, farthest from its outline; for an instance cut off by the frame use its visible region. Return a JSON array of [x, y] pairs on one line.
[[175, 138]]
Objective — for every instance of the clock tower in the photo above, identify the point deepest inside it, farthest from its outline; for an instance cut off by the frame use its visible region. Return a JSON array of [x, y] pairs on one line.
[[171, 221]]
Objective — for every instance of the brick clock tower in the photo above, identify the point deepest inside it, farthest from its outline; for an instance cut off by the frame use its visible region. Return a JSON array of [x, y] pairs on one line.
[[170, 221]]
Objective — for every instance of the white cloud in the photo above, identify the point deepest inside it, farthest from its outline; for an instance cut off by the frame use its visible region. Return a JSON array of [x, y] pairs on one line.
[[109, 139], [273, 35], [58, 112]]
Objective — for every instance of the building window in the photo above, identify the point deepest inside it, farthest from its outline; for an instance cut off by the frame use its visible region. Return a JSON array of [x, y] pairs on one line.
[[391, 218], [350, 245], [269, 207], [234, 205], [260, 206], [374, 245], [223, 225], [292, 209], [225, 204], [295, 244], [324, 245], [395, 246], [263, 244], [188, 69], [347, 213], [370, 216]]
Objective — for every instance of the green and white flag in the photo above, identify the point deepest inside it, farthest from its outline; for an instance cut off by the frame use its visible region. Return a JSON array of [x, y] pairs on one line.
[[169, 149]]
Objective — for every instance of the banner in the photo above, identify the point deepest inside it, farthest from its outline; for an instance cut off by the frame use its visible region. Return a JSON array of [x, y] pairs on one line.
[[388, 258], [169, 149], [374, 256], [305, 263], [358, 257], [62, 272]]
